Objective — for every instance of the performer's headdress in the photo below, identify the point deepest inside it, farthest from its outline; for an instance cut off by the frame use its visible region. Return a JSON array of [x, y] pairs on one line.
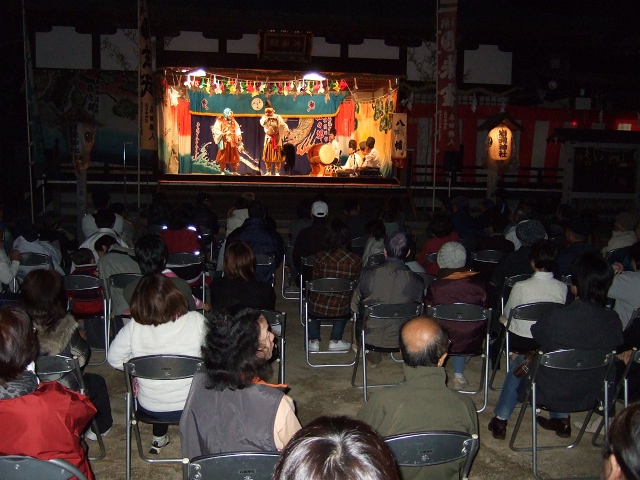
[[269, 108], [227, 113]]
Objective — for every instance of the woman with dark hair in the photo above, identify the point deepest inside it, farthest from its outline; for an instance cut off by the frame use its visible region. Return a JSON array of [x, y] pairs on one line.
[[332, 448], [162, 324], [40, 420], [583, 324], [239, 285], [43, 297], [621, 456], [230, 407]]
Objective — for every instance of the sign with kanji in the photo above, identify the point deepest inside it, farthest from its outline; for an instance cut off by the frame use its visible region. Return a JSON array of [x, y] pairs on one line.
[[399, 139]]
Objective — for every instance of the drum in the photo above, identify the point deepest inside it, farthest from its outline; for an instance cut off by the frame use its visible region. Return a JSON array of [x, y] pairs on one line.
[[319, 155]]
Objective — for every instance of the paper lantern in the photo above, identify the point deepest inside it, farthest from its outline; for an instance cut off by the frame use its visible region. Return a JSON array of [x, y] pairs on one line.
[[500, 144]]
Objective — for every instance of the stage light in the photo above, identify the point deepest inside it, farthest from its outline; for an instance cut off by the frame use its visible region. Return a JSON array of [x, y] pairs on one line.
[[313, 76]]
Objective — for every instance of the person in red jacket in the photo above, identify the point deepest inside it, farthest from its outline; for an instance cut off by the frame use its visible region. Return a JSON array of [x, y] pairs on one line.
[[43, 420]]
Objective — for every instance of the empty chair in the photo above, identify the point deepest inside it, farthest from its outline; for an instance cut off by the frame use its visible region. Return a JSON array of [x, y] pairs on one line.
[[18, 467], [467, 326], [380, 313], [233, 466], [277, 324], [424, 449]]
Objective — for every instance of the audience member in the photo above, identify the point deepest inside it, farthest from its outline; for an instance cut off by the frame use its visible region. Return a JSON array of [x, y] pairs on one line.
[[494, 240], [621, 455], [389, 283], [128, 230], [441, 227], [53, 232], [230, 407], [332, 448], [303, 220], [101, 200], [239, 213], [84, 262], [181, 236], [576, 235], [104, 220], [8, 265], [583, 324], [262, 238], [115, 259], [468, 228], [625, 289], [44, 299], [162, 325], [456, 284], [376, 232], [335, 261], [623, 234], [203, 215], [239, 285], [43, 421], [353, 216], [424, 345], [159, 212], [310, 240], [522, 213], [27, 241]]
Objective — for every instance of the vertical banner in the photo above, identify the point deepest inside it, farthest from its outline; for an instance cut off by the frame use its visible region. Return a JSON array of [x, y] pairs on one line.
[[148, 136], [399, 139], [448, 136]]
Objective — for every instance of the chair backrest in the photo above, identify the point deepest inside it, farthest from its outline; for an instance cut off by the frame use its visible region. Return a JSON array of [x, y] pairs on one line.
[[390, 317], [575, 359], [52, 368], [32, 259], [121, 280], [18, 467], [358, 244], [276, 320], [509, 282], [393, 310], [186, 265], [163, 367], [77, 283], [330, 285], [265, 260], [422, 449], [487, 256], [376, 259], [466, 325], [531, 311], [232, 466], [432, 257], [616, 255]]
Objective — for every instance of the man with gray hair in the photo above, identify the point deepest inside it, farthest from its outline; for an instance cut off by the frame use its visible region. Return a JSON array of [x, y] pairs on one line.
[[389, 283], [423, 401]]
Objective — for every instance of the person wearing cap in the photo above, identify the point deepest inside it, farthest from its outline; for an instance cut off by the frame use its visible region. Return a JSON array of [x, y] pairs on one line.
[[371, 155], [228, 137], [354, 161], [310, 240], [456, 284], [275, 129], [623, 234], [576, 233]]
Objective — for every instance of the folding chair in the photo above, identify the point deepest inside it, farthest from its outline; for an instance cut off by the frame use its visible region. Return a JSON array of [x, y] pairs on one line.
[[278, 322], [88, 300], [19, 467], [509, 282], [326, 286], [467, 326], [596, 364], [51, 368], [358, 244], [30, 261], [399, 313], [116, 285], [233, 466], [152, 367], [191, 268], [427, 278], [287, 266], [635, 359], [264, 260], [424, 449], [375, 259], [617, 255], [530, 312], [306, 269], [486, 261]]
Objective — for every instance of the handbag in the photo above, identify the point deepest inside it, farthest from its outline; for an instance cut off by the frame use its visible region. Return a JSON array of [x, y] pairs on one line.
[[522, 369]]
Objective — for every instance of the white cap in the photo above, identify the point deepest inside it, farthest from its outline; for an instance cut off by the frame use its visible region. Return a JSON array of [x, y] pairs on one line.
[[319, 209]]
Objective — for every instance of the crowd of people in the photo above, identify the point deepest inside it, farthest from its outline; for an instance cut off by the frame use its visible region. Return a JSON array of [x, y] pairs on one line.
[[231, 406]]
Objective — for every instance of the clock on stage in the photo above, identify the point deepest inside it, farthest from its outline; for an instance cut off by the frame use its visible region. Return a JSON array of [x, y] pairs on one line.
[[257, 103]]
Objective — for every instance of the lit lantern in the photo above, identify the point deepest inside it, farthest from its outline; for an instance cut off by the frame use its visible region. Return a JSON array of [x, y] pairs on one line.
[[500, 140]]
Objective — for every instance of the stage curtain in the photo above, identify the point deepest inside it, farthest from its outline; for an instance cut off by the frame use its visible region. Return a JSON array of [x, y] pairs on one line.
[[373, 119]]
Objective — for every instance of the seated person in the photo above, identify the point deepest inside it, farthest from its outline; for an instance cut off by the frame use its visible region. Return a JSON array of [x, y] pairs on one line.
[[354, 161], [239, 285], [456, 284], [336, 448], [230, 407], [162, 324], [104, 219], [441, 227], [391, 282], [626, 286], [335, 261], [180, 236], [376, 232], [28, 241], [621, 456], [84, 263], [424, 346], [8, 265], [46, 419], [623, 234]]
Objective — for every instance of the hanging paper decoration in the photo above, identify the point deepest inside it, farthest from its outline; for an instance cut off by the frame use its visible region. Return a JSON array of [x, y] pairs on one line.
[[307, 88], [187, 82], [263, 87], [207, 87], [336, 86], [232, 88], [286, 89], [321, 88], [274, 88], [173, 95], [343, 85]]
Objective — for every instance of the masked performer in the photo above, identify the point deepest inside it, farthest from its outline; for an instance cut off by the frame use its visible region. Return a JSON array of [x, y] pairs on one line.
[[275, 129], [228, 137]]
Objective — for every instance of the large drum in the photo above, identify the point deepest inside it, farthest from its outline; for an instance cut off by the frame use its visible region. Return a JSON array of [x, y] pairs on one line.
[[320, 155]]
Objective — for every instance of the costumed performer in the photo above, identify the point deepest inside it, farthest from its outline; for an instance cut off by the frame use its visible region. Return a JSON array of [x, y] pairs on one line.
[[228, 137], [275, 129]]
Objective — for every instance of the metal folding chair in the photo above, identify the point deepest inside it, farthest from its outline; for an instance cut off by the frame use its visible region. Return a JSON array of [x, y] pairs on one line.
[[233, 466], [264, 260], [287, 265], [51, 368], [424, 449], [588, 363], [19, 467], [30, 261], [375, 259], [468, 330], [358, 244], [117, 283], [86, 287], [398, 313], [152, 367], [326, 286], [509, 282], [306, 268], [191, 268], [486, 261], [278, 322]]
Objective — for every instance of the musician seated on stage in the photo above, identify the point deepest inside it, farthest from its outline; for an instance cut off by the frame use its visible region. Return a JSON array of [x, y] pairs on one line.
[[354, 160]]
